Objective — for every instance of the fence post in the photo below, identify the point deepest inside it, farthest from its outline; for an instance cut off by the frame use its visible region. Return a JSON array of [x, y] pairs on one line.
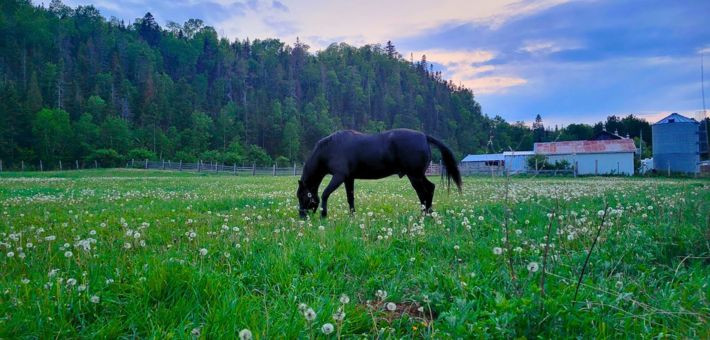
[[536, 166], [96, 164], [60, 165], [253, 169], [146, 163], [76, 162], [273, 171], [199, 165], [163, 164], [294, 169], [234, 168], [41, 168], [23, 165], [180, 167]]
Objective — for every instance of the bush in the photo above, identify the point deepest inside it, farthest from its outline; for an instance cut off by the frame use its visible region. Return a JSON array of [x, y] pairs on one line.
[[141, 154], [258, 156], [106, 158], [282, 161], [185, 157], [211, 156]]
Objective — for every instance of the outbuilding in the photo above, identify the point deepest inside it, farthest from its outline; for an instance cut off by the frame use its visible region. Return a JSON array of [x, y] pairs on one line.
[[592, 157]]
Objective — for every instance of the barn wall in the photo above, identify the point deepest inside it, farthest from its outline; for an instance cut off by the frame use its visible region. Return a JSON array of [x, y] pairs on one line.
[[599, 163], [516, 163]]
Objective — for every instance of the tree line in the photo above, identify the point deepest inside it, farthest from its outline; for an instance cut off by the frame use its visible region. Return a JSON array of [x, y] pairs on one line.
[[75, 85]]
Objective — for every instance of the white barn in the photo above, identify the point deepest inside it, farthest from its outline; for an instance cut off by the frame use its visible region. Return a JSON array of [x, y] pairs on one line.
[[592, 157]]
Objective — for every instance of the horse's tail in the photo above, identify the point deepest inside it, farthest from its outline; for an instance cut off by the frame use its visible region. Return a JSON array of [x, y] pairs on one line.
[[452, 170]]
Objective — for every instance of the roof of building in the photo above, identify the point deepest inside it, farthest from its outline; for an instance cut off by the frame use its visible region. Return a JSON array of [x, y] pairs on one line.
[[676, 118], [585, 146], [518, 153], [483, 157]]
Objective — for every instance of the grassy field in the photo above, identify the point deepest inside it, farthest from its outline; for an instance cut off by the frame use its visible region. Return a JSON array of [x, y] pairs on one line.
[[119, 253]]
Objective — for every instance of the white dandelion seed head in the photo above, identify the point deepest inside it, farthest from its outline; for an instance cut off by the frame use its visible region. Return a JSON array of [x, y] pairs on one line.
[[310, 314], [203, 252], [327, 328], [381, 294], [533, 267], [339, 316], [344, 299], [68, 254], [245, 334], [95, 299], [391, 306], [497, 250]]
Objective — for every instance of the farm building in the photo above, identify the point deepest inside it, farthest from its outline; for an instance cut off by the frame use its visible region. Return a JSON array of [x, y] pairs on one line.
[[482, 163], [592, 157], [676, 144], [512, 161], [517, 161]]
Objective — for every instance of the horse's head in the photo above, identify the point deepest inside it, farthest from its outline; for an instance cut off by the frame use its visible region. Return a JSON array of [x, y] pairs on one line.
[[307, 199]]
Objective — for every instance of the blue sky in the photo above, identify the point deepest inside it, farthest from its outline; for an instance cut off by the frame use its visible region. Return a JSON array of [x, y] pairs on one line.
[[569, 61]]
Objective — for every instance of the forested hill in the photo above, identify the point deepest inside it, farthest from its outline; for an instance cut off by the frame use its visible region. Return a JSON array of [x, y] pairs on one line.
[[74, 85]]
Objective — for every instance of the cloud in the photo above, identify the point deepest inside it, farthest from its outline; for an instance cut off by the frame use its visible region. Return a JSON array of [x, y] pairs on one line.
[[467, 68], [542, 47], [279, 6]]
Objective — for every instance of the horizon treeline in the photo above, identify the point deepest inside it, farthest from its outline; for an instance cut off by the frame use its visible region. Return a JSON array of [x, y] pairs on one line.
[[76, 86]]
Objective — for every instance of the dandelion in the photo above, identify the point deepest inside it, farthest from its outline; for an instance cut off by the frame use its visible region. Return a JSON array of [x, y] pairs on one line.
[[497, 250], [344, 299], [327, 328], [81, 288], [71, 281], [245, 334], [127, 245], [533, 267], [310, 314], [203, 252], [339, 316], [381, 294], [480, 218], [196, 332], [391, 306], [10, 254], [68, 254], [302, 307], [456, 247], [25, 280], [95, 299], [600, 213]]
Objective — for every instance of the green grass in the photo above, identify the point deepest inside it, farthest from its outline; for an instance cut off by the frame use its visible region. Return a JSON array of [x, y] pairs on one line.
[[647, 275]]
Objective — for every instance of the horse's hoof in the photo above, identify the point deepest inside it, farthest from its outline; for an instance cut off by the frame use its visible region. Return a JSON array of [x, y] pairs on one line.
[[323, 214]]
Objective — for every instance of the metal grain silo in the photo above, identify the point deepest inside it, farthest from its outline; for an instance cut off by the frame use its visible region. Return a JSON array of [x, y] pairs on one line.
[[676, 144]]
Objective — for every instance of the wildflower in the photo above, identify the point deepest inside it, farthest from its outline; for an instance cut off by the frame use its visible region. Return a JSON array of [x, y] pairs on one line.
[[344, 299], [245, 334], [196, 332], [25, 280], [21, 255], [310, 314], [127, 245], [71, 281], [381, 294], [497, 250], [480, 218], [327, 328], [600, 213], [339, 316], [81, 288], [518, 232], [533, 267], [391, 306], [456, 247], [203, 252], [95, 299], [68, 254], [10, 254], [302, 307]]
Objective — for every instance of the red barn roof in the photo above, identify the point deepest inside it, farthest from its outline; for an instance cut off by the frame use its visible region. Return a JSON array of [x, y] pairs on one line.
[[585, 146]]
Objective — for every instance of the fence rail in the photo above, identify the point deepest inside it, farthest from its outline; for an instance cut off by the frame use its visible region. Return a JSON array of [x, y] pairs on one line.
[[434, 169]]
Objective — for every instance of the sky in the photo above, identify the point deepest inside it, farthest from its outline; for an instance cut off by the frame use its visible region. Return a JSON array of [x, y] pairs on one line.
[[569, 61]]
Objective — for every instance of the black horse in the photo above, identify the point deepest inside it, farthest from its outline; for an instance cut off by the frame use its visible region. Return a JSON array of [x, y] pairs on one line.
[[348, 155]]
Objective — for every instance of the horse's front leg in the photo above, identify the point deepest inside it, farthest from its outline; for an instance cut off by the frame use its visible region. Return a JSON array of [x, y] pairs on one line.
[[350, 190], [335, 182]]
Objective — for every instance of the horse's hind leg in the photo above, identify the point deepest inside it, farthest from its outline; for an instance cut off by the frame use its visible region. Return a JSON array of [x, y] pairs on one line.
[[419, 186], [350, 190], [429, 187]]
